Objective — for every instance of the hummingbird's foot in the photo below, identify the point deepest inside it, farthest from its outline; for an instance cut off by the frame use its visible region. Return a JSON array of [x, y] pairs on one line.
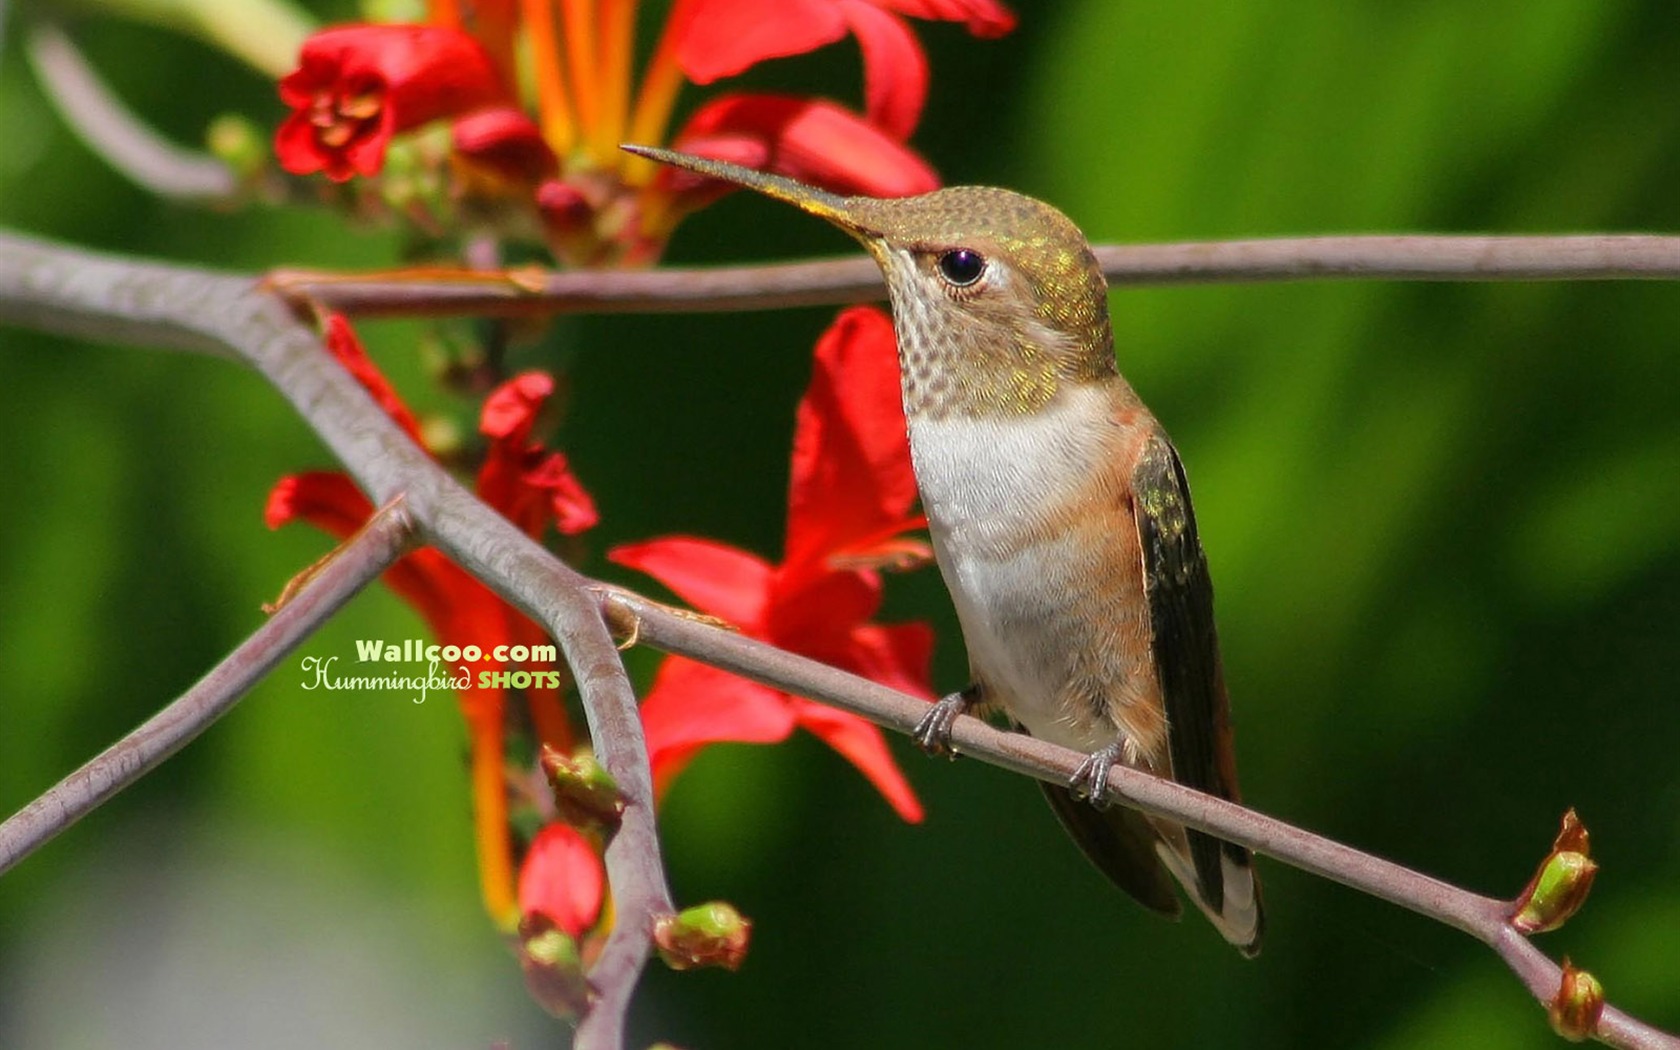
[[1090, 780], [933, 733]]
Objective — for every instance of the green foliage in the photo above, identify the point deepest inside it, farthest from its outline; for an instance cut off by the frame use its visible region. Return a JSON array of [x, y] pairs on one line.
[[1444, 524]]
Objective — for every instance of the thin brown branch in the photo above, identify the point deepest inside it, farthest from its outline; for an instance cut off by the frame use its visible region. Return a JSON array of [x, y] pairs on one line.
[[524, 573], [1484, 918], [1579, 257], [528, 576], [63, 289], [109, 129], [360, 560]]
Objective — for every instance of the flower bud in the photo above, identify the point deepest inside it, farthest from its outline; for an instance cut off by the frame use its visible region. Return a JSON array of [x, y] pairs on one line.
[[1575, 1010], [553, 969], [712, 934], [237, 142], [585, 794], [1560, 886]]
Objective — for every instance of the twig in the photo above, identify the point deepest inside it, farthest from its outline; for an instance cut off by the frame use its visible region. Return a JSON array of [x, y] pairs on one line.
[[361, 559], [1484, 918], [521, 571], [109, 129], [528, 576], [63, 289], [438, 293]]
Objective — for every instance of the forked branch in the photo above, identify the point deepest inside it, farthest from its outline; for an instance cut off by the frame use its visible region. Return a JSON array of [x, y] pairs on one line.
[[62, 289], [335, 581]]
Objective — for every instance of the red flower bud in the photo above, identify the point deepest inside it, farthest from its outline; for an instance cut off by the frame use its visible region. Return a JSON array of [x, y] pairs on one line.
[[506, 143], [562, 880], [358, 85]]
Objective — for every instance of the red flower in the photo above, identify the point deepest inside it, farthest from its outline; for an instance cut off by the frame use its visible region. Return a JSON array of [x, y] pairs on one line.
[[805, 139], [528, 485], [725, 37], [562, 879], [347, 351], [504, 144], [358, 85], [848, 505], [553, 153]]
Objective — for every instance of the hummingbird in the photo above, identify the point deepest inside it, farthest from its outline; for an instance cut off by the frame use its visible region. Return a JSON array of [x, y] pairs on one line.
[[1060, 518]]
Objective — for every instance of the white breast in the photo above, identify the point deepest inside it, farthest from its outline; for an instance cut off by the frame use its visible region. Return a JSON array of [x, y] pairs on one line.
[[988, 486]]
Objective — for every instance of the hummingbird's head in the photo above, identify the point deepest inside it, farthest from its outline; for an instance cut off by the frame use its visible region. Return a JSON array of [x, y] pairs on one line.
[[997, 300]]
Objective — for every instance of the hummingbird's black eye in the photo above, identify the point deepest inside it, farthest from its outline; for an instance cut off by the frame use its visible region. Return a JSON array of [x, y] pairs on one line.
[[962, 266]]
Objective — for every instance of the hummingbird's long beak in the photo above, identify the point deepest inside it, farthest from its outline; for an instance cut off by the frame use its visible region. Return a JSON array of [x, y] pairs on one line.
[[821, 203]]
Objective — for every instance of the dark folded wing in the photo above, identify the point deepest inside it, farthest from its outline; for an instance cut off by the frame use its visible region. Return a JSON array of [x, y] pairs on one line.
[[1185, 647]]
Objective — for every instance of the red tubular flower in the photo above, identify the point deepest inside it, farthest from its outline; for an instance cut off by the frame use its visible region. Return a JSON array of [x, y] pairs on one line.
[[849, 502], [805, 139], [505, 144], [460, 611], [562, 879], [557, 161], [724, 37], [527, 484], [530, 485], [347, 350], [852, 485], [358, 85]]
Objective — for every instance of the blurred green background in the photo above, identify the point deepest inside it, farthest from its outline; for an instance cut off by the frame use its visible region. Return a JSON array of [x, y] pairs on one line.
[[1444, 523]]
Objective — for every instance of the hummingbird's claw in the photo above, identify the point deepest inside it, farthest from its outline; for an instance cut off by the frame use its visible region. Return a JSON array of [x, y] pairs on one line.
[[933, 733], [1090, 780]]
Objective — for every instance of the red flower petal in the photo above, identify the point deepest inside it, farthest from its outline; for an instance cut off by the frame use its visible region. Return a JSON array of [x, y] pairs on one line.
[[532, 489], [984, 18], [459, 609], [725, 37], [807, 139], [529, 485], [573, 508], [812, 611], [899, 656], [692, 705], [895, 69], [328, 500], [861, 744], [358, 85], [563, 879], [712, 577], [342, 342], [885, 550], [510, 412], [505, 143], [851, 453]]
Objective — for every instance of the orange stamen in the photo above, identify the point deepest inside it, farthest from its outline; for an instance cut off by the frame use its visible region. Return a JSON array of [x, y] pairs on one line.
[[578, 19], [334, 136], [495, 23], [617, 20], [361, 107], [552, 107], [445, 13], [658, 95], [548, 718], [490, 820]]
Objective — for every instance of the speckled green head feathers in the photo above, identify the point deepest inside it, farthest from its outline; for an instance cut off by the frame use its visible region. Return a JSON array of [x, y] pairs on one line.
[[997, 300]]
